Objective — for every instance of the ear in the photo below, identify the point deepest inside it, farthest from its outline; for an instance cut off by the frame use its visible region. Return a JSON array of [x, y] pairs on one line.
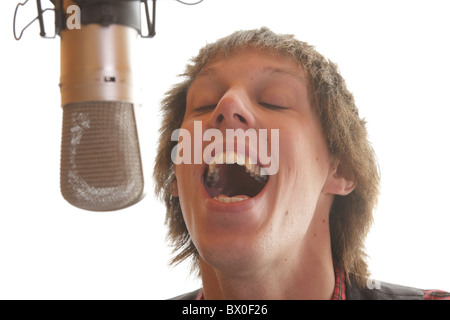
[[174, 188], [337, 182]]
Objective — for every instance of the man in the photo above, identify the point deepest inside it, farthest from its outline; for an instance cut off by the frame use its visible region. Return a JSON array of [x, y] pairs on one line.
[[290, 225]]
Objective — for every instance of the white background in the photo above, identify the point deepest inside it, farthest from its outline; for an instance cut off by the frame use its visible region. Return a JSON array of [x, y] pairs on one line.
[[395, 57]]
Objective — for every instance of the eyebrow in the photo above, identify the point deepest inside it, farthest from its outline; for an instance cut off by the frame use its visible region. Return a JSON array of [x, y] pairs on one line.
[[268, 69], [284, 72]]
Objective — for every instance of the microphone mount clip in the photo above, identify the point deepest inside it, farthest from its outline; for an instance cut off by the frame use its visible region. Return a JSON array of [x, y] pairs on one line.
[[104, 12]]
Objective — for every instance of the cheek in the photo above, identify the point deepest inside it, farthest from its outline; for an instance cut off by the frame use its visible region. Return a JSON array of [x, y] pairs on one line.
[[304, 155], [182, 177], [187, 176], [292, 148], [184, 194]]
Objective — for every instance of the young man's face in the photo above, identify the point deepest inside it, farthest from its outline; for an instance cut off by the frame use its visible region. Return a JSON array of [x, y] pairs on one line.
[[239, 223]]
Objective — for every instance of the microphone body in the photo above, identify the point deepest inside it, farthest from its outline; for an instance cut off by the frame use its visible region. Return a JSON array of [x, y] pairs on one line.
[[101, 167]]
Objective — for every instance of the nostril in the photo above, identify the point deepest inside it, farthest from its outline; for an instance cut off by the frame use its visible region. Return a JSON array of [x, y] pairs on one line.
[[221, 118], [241, 118]]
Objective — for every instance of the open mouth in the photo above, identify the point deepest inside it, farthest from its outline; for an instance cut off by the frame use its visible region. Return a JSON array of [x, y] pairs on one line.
[[231, 178]]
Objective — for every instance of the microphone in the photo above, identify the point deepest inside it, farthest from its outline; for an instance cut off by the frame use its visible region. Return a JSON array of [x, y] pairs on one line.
[[101, 168]]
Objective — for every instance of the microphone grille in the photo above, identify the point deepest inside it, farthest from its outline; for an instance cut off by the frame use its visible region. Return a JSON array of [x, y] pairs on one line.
[[101, 166]]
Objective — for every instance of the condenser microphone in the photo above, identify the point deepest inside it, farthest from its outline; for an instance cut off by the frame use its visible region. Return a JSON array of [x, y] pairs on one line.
[[101, 168]]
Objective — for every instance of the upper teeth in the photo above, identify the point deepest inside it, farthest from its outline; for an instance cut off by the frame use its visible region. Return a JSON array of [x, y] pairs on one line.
[[257, 172]]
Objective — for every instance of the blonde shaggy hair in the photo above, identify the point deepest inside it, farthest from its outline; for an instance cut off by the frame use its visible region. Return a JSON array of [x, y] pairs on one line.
[[351, 215]]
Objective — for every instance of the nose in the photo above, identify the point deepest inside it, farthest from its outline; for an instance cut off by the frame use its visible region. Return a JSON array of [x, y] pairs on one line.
[[233, 111]]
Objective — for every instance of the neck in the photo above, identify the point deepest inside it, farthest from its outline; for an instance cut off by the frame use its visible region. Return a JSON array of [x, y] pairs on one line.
[[307, 273]]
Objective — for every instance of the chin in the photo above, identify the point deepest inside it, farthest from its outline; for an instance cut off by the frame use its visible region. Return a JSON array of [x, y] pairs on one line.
[[239, 257]]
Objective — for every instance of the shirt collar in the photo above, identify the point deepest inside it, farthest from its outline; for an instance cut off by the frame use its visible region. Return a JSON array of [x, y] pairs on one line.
[[339, 283]]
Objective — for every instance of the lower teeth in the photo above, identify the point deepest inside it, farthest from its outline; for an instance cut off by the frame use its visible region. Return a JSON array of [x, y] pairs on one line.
[[226, 199]]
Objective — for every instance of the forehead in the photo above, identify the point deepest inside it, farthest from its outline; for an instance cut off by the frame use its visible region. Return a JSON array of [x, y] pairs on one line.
[[252, 62]]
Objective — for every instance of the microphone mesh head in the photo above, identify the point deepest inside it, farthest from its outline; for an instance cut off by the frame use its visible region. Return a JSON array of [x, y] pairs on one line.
[[100, 158]]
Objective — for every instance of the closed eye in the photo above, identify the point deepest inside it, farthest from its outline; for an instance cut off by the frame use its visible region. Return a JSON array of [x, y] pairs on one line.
[[272, 106], [205, 109]]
